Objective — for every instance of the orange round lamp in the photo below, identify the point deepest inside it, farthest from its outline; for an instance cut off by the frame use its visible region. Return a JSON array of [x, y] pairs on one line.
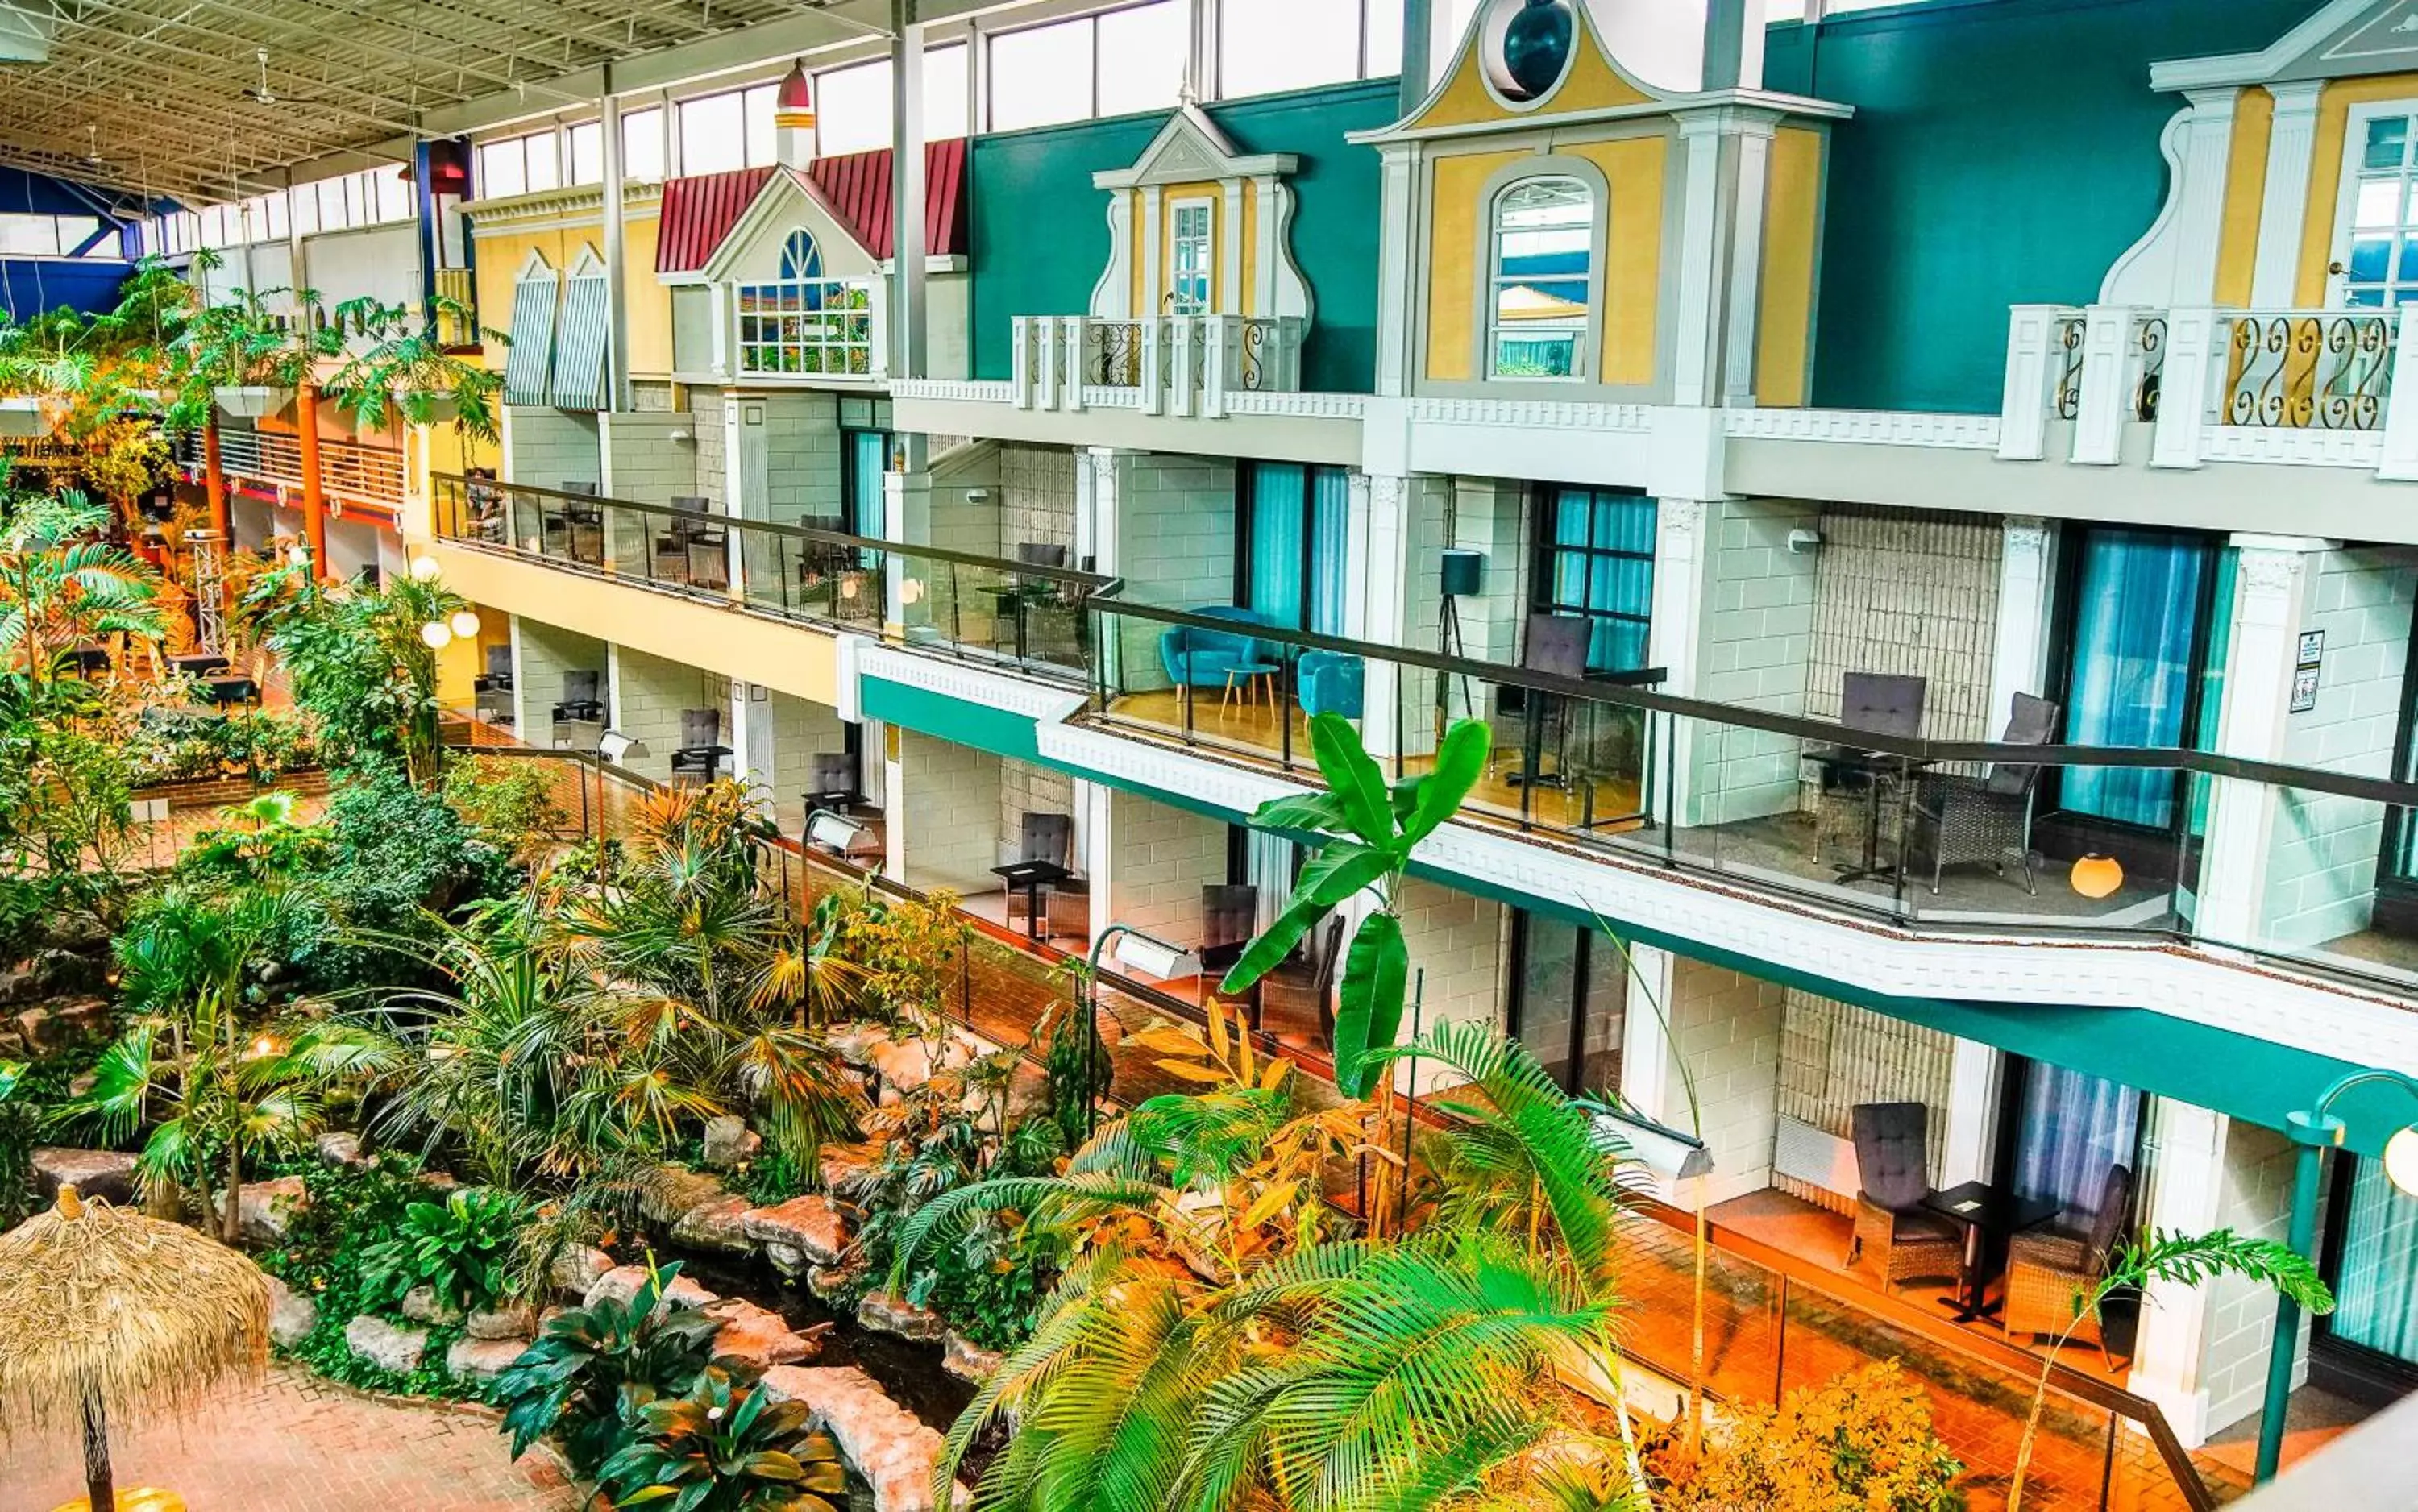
[[142, 1499], [2095, 876]]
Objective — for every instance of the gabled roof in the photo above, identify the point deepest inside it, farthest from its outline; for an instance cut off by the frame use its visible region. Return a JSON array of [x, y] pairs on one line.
[[699, 213]]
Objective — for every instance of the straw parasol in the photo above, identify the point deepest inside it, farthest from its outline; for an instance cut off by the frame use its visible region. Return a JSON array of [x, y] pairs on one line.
[[100, 1306]]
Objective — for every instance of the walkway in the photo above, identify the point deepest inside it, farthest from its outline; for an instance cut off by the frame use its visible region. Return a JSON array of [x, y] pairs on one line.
[[295, 1444]]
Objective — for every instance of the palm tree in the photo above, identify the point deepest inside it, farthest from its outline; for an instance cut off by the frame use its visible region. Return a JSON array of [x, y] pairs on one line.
[[406, 372], [62, 584]]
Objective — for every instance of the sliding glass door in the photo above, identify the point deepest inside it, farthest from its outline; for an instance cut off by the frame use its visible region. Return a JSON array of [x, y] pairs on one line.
[[1291, 565], [1569, 993], [1595, 559], [2067, 1129], [2372, 1264], [2139, 654]]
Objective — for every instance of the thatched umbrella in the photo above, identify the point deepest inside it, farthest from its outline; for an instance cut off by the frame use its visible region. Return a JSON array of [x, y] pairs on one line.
[[100, 1306]]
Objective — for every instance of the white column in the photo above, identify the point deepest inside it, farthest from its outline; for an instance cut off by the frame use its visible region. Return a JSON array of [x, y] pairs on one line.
[[612, 685], [752, 753], [2270, 588], [520, 685], [1230, 250], [2105, 401], [2292, 140], [1753, 165], [1153, 286], [1093, 808], [2027, 584], [2199, 197], [1973, 1078], [1703, 252], [2185, 1169], [907, 312], [1397, 245], [617, 354], [1386, 601], [2028, 393], [1683, 551]]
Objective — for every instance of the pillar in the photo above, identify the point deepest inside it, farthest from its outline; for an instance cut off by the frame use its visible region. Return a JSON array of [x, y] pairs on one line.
[[2027, 584], [617, 357], [907, 322], [214, 480], [1683, 551], [315, 499], [2291, 143], [1387, 606]]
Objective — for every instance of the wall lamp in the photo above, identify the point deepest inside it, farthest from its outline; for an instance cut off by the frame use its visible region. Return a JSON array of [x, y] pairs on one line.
[[1138, 950], [828, 828]]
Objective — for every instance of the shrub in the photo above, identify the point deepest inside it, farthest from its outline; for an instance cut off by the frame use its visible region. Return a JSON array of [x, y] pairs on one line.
[[510, 805], [460, 1248], [723, 1447], [592, 1368], [1861, 1443]]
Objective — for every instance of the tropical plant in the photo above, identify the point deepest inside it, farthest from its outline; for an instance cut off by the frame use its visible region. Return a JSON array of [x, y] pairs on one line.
[[406, 371], [1863, 1440], [724, 1447], [18, 1130], [1369, 832], [459, 1248], [62, 582], [2178, 1259], [592, 1368], [354, 658], [254, 338], [510, 805], [70, 755]]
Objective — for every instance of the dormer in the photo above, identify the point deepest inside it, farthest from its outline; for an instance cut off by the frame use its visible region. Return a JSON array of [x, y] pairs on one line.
[[1196, 228]]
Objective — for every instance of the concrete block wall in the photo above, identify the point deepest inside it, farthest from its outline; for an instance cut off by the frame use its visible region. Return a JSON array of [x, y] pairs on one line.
[[948, 812], [2254, 1200], [653, 397], [1911, 592], [2322, 850], [653, 691], [1429, 509], [802, 730], [1176, 546], [1835, 1055], [1036, 497], [1725, 1029], [1025, 788], [712, 463], [543, 654], [1757, 639], [551, 446], [1456, 939], [644, 463], [1159, 859], [801, 440], [1491, 517]]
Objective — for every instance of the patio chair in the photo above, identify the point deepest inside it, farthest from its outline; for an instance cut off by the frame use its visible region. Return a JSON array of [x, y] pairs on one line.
[[1893, 1172], [2051, 1270], [1042, 837], [698, 757], [492, 690], [1968, 818], [582, 709], [1883, 703], [1554, 644], [831, 774], [1331, 682]]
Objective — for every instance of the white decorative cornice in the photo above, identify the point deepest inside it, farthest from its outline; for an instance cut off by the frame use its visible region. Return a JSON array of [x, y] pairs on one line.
[[1547, 414], [555, 203], [970, 682], [1868, 427]]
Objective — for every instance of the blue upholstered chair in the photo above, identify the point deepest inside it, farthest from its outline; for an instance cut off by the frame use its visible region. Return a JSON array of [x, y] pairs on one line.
[[1197, 658], [1330, 684]]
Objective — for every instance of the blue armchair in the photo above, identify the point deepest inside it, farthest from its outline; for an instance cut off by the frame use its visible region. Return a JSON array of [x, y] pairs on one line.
[[1330, 684], [1202, 657]]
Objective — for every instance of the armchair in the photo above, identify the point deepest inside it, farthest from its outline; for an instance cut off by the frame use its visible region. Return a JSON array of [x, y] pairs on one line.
[[1331, 682], [1197, 658], [698, 757], [582, 708], [1048, 837], [1894, 1170], [2050, 1272], [1969, 819], [1886, 704]]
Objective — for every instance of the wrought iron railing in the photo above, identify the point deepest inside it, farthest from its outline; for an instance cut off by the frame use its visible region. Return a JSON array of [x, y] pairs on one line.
[[1160, 364], [2069, 332], [2150, 364], [2328, 370], [1112, 354]]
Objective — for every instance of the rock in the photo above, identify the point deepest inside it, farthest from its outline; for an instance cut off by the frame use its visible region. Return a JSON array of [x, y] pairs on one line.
[[41, 1032], [842, 1164], [483, 1359], [267, 1209], [84, 1018], [666, 1195], [19, 983], [854, 1043], [967, 1360], [384, 1344], [621, 1284], [757, 1338], [421, 1305], [12, 1045], [576, 1269], [830, 1283], [888, 1313], [107, 1173], [893, 1450], [439, 1181], [802, 1232], [714, 1225], [338, 1147], [729, 1140], [291, 1315], [502, 1323]]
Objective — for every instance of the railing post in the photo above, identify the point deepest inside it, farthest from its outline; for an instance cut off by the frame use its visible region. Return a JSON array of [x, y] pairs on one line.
[[2398, 461], [1078, 335], [1182, 329], [1151, 329], [315, 502], [2195, 357], [1053, 354], [2105, 398], [1288, 343], [1019, 341], [1223, 341], [2024, 402]]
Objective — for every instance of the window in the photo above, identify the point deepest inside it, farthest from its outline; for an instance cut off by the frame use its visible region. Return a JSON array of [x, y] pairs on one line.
[[946, 102], [713, 134], [29, 236], [544, 164], [2069, 1128], [642, 144], [1142, 55], [863, 455], [1321, 45], [1544, 249], [2372, 1262], [1041, 75], [587, 153], [1189, 256], [1294, 557], [2137, 662], [805, 322], [1595, 559], [503, 170], [1569, 995], [756, 108], [2379, 262], [852, 109], [393, 192]]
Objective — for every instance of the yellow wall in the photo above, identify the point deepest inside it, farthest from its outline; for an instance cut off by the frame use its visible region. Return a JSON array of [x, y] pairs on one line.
[[1791, 234], [1632, 270], [2245, 184], [463, 661], [1214, 193], [2325, 172], [1457, 222], [649, 302], [1592, 84], [503, 249], [1250, 250]]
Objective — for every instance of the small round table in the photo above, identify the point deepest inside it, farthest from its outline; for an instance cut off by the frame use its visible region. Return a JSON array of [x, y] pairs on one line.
[[1250, 675]]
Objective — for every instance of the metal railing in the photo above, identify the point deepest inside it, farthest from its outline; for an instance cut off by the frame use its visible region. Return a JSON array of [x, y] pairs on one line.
[[1180, 365], [2323, 370], [348, 472]]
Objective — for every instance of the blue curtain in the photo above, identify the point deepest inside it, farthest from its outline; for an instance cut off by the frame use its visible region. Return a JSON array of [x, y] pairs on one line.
[[868, 454], [2376, 1299], [2137, 606], [2074, 1126], [1617, 589], [1276, 546], [1330, 524]]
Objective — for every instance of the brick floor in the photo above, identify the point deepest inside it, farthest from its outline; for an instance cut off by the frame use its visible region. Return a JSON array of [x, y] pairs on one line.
[[295, 1444]]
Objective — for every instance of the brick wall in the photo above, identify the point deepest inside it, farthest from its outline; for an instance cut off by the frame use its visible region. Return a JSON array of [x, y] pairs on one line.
[[1175, 544], [1726, 1029], [653, 691], [552, 447], [1491, 517], [2320, 876], [1835, 1055], [801, 730], [2255, 1200], [1159, 859], [948, 813], [1909, 591], [547, 652], [801, 440], [1757, 638], [1036, 497], [647, 464]]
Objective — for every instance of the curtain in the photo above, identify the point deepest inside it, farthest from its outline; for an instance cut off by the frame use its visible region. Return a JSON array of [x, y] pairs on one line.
[[1330, 524], [2376, 1297], [1603, 566], [2137, 606], [868, 456], [2074, 1126], [1267, 864], [1275, 540]]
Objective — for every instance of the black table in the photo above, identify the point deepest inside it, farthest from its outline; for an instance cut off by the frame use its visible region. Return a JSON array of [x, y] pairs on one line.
[[82, 661], [200, 664], [1032, 875], [1872, 767], [229, 691], [1986, 1212]]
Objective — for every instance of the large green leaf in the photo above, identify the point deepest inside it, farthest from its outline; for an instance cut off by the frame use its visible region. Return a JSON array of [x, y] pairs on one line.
[[1460, 760], [1354, 777], [1370, 1013], [1333, 875], [1321, 812]]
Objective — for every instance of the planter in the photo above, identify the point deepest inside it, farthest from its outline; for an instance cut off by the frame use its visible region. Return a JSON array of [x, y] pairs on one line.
[[23, 418], [251, 401]]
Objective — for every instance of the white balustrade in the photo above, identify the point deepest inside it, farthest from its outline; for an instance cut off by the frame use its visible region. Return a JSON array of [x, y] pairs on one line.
[[1177, 365]]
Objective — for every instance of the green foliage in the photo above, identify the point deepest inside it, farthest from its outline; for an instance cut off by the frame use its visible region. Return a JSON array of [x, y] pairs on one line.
[[1371, 832], [510, 805], [404, 370], [399, 858], [592, 1368], [260, 743], [363, 679], [2191, 1259], [460, 1248], [1863, 1440], [62, 582], [724, 1447], [19, 1127]]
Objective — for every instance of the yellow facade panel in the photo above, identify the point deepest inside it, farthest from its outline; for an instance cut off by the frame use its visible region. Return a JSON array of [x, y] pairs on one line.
[[1792, 226], [1457, 221], [1632, 273], [2325, 172], [2245, 186]]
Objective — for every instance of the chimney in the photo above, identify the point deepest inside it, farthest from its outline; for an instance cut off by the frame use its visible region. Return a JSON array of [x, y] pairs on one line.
[[794, 119]]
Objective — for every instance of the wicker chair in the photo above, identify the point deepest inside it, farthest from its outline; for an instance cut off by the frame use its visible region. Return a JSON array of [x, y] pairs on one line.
[[2050, 1270], [1967, 819], [1884, 703], [1893, 1165]]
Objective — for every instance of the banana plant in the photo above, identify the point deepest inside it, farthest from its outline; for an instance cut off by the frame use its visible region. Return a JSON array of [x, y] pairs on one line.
[[1369, 830]]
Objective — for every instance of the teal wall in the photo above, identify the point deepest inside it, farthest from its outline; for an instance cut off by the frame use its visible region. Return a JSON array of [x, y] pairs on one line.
[[2003, 152], [1041, 230]]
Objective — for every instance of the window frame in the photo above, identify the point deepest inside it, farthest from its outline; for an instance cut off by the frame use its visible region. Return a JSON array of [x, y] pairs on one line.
[[787, 330], [1547, 551], [1585, 355], [1176, 243]]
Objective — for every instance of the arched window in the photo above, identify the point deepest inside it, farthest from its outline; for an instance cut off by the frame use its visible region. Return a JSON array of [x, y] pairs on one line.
[[804, 322], [1539, 310]]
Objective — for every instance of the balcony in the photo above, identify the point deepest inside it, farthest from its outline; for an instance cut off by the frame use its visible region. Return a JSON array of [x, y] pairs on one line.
[[359, 480], [1181, 365]]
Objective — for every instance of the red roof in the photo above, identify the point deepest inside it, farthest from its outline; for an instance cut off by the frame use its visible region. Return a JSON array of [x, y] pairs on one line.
[[698, 213]]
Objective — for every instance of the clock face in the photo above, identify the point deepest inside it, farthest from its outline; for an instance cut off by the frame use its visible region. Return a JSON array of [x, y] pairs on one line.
[[1534, 47]]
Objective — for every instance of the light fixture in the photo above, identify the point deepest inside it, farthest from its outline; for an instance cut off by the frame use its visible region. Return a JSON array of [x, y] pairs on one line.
[[2401, 1160], [437, 635], [2096, 875], [828, 828], [1665, 1152], [911, 590], [850, 583], [617, 748], [464, 623], [424, 569], [1150, 956], [298, 555]]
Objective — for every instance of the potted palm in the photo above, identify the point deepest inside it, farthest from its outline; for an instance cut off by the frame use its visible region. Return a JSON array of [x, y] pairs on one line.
[[241, 357], [404, 371]]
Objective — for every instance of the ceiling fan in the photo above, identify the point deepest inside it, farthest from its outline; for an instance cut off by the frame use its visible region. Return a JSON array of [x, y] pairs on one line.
[[261, 94]]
